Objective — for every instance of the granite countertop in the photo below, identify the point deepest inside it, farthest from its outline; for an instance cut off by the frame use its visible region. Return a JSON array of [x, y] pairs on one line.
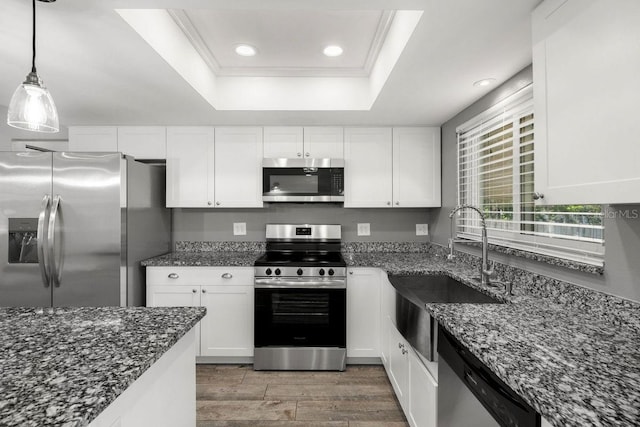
[[574, 366], [64, 366], [203, 259], [571, 353]]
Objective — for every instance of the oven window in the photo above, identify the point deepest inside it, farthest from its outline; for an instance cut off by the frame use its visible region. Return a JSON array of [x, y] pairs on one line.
[[303, 184], [300, 317], [294, 308]]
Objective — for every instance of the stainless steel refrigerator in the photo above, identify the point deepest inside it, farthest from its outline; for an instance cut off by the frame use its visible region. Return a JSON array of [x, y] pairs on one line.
[[74, 227]]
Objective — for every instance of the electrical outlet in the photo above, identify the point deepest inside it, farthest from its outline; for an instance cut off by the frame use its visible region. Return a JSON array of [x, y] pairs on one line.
[[239, 228], [364, 229], [422, 229]]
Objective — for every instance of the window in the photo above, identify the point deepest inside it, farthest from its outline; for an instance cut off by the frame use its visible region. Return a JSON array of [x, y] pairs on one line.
[[496, 174]]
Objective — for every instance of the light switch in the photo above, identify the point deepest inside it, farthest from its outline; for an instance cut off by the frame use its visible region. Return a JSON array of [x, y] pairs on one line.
[[422, 229], [364, 229], [239, 228]]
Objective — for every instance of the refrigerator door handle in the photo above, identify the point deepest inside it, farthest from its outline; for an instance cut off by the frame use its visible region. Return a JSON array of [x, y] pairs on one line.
[[55, 271], [41, 238]]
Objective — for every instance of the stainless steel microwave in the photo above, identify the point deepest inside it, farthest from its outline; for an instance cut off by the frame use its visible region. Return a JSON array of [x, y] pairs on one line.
[[303, 180]]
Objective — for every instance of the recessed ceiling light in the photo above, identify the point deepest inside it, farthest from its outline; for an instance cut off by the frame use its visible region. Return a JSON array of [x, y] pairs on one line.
[[333, 50], [246, 50], [484, 82]]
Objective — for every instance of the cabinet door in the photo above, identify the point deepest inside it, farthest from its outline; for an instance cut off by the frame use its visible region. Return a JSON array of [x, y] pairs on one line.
[[398, 371], [238, 167], [227, 330], [190, 163], [363, 312], [143, 142], [283, 142], [176, 296], [368, 167], [93, 138], [416, 167], [423, 394], [585, 101], [387, 315], [324, 142]]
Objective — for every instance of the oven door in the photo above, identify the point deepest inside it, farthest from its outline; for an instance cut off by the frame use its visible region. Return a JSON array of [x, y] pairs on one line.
[[300, 317]]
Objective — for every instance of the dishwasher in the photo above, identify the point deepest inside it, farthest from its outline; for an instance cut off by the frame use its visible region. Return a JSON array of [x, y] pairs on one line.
[[470, 394]]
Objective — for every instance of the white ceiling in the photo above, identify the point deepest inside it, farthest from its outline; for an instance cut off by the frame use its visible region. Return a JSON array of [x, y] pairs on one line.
[[289, 42], [100, 71]]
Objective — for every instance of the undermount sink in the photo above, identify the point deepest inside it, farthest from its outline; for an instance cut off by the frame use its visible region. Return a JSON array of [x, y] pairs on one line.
[[412, 319]]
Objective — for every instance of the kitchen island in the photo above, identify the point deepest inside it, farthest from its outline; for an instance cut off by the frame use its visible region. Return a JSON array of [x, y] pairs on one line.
[[95, 366]]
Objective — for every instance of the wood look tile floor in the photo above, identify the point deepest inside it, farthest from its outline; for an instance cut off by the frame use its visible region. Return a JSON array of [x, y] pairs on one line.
[[236, 395]]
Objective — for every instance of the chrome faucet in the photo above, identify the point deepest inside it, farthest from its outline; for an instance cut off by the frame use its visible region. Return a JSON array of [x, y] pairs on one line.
[[485, 271]]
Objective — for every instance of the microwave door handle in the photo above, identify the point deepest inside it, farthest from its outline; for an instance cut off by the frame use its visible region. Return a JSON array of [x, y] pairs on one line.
[[42, 241]]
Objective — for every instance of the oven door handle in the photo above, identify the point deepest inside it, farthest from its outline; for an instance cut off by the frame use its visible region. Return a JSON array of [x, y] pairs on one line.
[[297, 284]]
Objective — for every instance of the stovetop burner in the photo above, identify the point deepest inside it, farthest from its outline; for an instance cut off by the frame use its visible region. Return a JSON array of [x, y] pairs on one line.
[[302, 251], [302, 259]]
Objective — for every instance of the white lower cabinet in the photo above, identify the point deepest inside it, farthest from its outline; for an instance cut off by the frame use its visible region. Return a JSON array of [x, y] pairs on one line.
[[227, 293], [422, 395], [398, 365], [415, 387], [227, 329], [363, 312], [388, 315]]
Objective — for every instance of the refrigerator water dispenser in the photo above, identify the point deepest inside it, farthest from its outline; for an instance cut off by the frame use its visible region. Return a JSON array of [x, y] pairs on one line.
[[23, 241]]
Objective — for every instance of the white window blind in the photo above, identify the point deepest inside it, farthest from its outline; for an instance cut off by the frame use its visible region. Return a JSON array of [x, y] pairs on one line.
[[496, 174]]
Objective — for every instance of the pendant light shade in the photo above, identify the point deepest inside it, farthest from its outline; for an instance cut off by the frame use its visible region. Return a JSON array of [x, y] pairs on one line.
[[32, 107]]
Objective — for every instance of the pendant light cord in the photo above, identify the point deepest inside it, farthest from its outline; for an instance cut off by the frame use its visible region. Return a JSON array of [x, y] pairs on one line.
[[33, 58]]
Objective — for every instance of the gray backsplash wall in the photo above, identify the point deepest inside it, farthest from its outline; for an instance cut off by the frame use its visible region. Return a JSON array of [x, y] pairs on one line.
[[387, 225], [622, 223]]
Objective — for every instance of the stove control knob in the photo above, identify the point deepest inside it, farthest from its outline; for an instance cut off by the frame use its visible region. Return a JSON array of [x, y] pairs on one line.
[[331, 272], [321, 272], [268, 271], [299, 272], [277, 271]]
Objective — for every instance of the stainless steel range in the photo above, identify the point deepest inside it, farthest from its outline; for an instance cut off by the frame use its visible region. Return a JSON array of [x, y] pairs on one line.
[[300, 299]]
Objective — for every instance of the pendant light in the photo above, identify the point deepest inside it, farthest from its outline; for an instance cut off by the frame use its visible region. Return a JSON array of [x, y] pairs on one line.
[[31, 107]]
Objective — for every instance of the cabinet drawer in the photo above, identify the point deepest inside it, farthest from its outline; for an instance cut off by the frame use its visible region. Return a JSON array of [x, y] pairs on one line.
[[213, 276]]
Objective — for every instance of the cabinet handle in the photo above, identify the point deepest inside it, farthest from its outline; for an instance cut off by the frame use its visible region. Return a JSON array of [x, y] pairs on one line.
[[299, 154], [194, 290], [388, 203], [306, 154], [397, 203], [217, 203], [400, 345], [227, 276], [209, 203], [538, 196], [204, 291], [173, 276], [404, 351], [351, 272]]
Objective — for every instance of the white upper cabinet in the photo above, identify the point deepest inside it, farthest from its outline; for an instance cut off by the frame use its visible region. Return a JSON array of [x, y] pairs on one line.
[[324, 142], [143, 142], [368, 167], [93, 138], [238, 167], [392, 168], [190, 166], [321, 142], [586, 73], [416, 167], [283, 142]]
